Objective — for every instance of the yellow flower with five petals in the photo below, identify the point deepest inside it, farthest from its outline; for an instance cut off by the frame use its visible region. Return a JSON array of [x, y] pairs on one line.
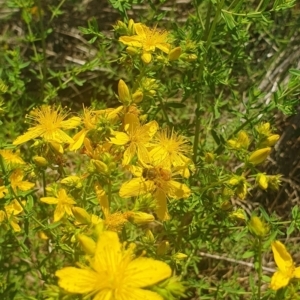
[[64, 204], [148, 39], [114, 273], [49, 122], [136, 138]]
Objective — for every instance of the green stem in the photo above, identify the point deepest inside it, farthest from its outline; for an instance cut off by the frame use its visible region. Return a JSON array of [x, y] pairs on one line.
[[208, 34], [44, 66], [57, 8], [259, 267], [44, 183]]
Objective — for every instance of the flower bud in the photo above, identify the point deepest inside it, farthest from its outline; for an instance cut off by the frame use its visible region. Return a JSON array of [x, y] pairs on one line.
[[270, 140], [123, 92], [163, 248], [81, 215], [264, 129], [238, 215], [137, 97], [209, 157], [179, 256], [72, 182], [226, 205], [141, 218], [274, 181], [188, 57], [88, 245], [40, 161], [132, 51], [174, 54], [259, 156], [100, 166], [149, 235], [56, 147], [258, 227], [262, 181], [131, 29]]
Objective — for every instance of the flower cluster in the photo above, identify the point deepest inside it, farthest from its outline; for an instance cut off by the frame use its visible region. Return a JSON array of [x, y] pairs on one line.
[[129, 170]]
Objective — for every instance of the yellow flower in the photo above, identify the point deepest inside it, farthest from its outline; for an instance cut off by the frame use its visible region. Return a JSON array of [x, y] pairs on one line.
[[10, 211], [242, 141], [16, 181], [49, 123], [240, 186], [136, 138], [286, 266], [170, 150], [11, 159], [114, 273], [64, 204], [92, 121], [157, 181], [148, 39]]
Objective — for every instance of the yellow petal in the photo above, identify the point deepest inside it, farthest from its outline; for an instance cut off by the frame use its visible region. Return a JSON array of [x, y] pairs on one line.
[[142, 272], [71, 123], [59, 213], [282, 258], [279, 280], [178, 190], [131, 41], [139, 29], [78, 140], [136, 187], [162, 210], [76, 280], [32, 133], [108, 252], [129, 154], [137, 294], [15, 226], [297, 272], [120, 138], [49, 200]]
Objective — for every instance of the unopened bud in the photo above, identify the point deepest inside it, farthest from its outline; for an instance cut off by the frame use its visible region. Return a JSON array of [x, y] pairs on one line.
[[270, 140], [56, 147], [72, 182], [262, 181], [188, 57], [174, 54], [40, 161], [209, 157], [88, 245], [81, 215], [141, 218], [123, 92], [149, 235], [137, 97], [132, 51], [274, 181], [180, 256], [259, 156], [163, 248], [258, 227], [100, 166]]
